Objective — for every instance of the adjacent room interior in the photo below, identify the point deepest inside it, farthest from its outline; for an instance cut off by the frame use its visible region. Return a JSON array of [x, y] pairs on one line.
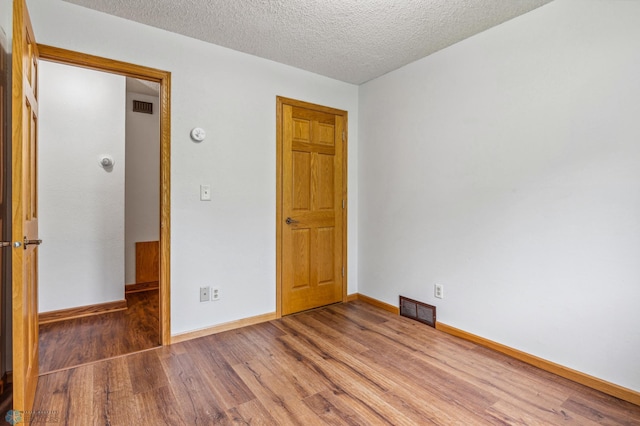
[[102, 221]]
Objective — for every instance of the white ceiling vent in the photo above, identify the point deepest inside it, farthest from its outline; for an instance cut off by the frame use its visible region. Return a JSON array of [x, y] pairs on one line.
[[144, 107]]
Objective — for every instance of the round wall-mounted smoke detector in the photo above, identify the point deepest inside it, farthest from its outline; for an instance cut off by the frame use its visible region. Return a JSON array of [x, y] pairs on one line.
[[106, 161]]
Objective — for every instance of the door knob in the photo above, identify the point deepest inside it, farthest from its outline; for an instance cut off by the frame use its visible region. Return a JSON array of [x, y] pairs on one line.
[[291, 221], [30, 242]]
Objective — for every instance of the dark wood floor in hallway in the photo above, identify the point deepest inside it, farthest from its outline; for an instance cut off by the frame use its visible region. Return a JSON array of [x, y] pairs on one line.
[[74, 342], [347, 364]]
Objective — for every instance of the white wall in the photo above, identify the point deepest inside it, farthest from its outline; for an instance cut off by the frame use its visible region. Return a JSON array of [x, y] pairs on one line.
[[507, 168], [230, 241], [81, 205], [142, 180], [6, 20]]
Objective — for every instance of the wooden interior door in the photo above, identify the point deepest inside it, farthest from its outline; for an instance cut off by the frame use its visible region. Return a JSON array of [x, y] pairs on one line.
[[5, 213], [312, 216], [24, 209]]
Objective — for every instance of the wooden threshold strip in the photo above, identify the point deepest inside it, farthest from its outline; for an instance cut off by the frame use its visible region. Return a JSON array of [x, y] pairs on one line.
[[609, 388], [97, 361], [81, 311]]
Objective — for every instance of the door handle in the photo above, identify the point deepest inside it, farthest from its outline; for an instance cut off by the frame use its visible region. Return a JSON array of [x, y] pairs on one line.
[[31, 242], [291, 221]]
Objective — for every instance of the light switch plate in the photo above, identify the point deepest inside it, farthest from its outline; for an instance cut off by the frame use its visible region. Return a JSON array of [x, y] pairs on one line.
[[205, 294], [205, 192]]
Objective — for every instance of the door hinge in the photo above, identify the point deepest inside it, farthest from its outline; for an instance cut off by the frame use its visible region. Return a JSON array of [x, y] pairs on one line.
[[343, 271], [343, 136], [343, 204]]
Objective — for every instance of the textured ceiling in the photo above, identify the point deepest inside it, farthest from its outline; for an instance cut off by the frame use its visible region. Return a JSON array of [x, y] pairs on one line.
[[349, 40]]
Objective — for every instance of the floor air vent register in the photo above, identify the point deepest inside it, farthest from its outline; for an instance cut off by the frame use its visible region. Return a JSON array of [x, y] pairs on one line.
[[418, 311]]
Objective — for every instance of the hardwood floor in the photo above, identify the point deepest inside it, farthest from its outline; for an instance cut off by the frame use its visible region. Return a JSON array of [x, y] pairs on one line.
[[74, 342], [350, 364]]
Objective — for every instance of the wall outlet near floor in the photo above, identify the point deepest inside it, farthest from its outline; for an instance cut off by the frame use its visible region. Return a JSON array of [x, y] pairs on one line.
[[438, 291], [205, 294], [215, 294]]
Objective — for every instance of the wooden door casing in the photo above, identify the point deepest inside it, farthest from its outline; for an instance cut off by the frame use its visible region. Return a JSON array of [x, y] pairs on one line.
[[68, 57], [311, 200], [24, 209]]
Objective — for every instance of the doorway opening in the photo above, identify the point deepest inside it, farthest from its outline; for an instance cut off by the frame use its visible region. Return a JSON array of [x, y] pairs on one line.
[[116, 199]]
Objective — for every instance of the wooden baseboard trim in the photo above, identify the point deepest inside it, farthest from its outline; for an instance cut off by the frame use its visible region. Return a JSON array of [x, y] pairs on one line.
[[609, 388], [232, 325], [375, 302], [81, 311], [351, 297], [139, 287], [560, 370]]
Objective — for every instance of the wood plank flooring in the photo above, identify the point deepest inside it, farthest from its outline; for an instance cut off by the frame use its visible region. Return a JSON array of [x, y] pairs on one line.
[[74, 342], [347, 364]]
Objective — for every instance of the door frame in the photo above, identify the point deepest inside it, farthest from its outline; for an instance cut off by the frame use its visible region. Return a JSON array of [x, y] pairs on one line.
[[68, 57], [280, 101]]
